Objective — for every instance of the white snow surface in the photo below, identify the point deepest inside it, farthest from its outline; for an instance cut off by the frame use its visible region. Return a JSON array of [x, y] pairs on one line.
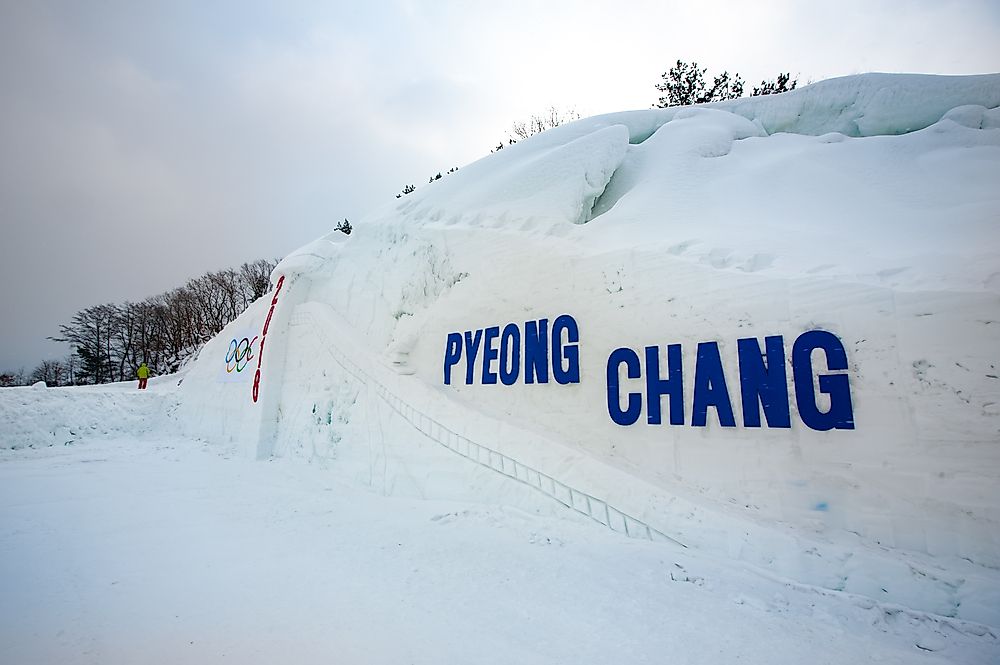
[[360, 492]]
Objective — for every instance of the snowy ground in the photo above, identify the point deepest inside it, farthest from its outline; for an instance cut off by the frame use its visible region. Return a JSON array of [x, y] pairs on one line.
[[159, 548]]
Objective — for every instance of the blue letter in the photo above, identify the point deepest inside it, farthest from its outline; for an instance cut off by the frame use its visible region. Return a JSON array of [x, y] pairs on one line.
[[472, 344], [536, 351], [710, 387], [634, 408], [510, 354], [452, 352], [570, 352], [768, 384], [657, 387], [837, 386], [489, 355]]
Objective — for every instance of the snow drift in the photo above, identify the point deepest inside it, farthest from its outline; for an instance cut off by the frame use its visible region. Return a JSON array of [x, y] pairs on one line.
[[865, 207]]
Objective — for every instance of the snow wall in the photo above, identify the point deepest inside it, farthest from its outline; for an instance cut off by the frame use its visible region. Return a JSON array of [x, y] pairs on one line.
[[766, 329]]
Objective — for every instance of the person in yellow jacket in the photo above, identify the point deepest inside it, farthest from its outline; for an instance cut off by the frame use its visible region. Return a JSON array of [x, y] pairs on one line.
[[143, 374]]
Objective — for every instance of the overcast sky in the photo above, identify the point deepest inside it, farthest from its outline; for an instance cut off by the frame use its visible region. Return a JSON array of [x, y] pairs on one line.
[[144, 143]]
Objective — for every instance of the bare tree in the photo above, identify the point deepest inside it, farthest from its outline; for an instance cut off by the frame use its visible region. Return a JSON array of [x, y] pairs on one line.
[[51, 372], [70, 364], [89, 334], [257, 276], [11, 378], [109, 341], [537, 123]]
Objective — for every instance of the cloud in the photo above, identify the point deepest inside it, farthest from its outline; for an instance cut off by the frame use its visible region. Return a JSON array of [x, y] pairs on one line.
[[142, 144]]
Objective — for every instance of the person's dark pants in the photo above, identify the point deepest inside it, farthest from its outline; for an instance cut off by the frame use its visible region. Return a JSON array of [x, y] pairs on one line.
[[142, 384]]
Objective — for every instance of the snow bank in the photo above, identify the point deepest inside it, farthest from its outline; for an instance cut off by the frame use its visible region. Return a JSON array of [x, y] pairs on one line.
[[40, 417], [865, 207]]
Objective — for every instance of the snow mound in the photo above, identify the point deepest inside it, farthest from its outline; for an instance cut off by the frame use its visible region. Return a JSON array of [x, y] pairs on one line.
[[869, 105], [35, 418], [554, 185], [865, 208]]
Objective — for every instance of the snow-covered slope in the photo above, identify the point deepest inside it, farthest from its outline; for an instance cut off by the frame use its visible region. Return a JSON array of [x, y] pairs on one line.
[[865, 208]]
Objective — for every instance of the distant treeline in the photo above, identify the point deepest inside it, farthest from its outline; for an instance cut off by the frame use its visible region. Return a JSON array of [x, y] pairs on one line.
[[107, 342]]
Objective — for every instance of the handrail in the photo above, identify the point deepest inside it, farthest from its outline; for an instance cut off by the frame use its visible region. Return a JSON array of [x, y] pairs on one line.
[[579, 501]]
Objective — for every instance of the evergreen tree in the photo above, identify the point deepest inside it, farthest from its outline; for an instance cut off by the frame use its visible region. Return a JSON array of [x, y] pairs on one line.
[[724, 87], [685, 84], [784, 83]]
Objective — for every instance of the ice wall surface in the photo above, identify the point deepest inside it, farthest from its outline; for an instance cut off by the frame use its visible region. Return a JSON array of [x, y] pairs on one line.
[[866, 206]]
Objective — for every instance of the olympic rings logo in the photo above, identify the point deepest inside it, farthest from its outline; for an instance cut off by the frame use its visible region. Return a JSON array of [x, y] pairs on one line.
[[239, 355]]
